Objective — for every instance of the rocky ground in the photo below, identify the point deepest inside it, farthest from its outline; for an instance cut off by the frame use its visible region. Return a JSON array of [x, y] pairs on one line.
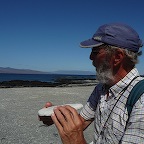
[[19, 123]]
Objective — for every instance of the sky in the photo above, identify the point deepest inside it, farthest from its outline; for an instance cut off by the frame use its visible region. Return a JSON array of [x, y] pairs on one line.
[[45, 35]]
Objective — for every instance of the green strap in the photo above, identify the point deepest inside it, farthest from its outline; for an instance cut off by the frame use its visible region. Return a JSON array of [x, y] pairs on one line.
[[134, 95]]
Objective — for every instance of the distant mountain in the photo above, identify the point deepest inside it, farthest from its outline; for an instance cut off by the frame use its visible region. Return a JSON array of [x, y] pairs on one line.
[[9, 70], [75, 72]]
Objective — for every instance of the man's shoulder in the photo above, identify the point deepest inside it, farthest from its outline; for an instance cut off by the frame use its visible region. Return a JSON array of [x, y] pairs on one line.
[[99, 87], [140, 84]]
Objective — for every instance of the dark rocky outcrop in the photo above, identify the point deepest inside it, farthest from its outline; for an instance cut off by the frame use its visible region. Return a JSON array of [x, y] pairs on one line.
[[57, 83]]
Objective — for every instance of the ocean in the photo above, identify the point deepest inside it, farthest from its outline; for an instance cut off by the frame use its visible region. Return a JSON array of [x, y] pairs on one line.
[[42, 77]]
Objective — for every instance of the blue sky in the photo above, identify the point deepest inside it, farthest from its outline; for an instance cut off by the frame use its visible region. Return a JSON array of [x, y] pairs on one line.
[[45, 34]]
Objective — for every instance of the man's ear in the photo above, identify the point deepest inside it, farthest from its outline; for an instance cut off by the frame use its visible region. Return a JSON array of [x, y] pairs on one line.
[[118, 57]]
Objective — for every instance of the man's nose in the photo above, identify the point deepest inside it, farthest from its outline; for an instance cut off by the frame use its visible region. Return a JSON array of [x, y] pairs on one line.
[[91, 56]]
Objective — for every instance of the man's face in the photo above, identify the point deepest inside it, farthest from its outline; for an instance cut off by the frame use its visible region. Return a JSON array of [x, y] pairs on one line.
[[102, 62], [97, 56]]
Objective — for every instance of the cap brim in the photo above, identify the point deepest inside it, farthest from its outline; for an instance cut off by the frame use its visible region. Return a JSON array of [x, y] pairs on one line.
[[90, 43]]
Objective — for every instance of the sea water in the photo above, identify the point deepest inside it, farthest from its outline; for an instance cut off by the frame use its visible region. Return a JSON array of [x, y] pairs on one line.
[[42, 77]]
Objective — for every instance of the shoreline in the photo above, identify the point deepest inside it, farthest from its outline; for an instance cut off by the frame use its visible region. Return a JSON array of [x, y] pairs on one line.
[[58, 83]]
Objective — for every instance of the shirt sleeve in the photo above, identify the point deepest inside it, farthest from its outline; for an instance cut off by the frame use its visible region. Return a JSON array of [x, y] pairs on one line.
[[135, 128], [88, 112]]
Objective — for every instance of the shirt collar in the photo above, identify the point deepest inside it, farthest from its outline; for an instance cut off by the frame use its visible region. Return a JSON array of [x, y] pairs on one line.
[[119, 86]]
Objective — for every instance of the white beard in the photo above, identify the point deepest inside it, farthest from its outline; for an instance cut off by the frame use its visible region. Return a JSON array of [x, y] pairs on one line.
[[104, 74]]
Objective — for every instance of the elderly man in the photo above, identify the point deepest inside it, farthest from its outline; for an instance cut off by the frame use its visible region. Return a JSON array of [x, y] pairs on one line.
[[115, 51]]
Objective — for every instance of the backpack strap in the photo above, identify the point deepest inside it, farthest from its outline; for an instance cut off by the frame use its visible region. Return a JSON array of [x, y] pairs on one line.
[[134, 95]]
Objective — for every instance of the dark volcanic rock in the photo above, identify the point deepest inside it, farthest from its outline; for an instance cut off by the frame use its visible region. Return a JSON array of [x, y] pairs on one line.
[[21, 83], [58, 83]]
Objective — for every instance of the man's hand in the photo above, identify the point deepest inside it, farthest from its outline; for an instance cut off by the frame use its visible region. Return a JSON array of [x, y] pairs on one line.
[[46, 119], [69, 125]]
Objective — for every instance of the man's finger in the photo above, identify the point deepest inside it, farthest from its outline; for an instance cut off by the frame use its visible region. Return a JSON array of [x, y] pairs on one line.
[[48, 104], [74, 114], [56, 122], [68, 116]]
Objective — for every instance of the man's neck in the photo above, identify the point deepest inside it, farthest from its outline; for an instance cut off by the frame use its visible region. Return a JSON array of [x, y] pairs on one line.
[[120, 75]]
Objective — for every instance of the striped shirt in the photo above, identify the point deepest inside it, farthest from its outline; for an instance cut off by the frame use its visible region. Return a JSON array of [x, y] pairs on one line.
[[111, 114]]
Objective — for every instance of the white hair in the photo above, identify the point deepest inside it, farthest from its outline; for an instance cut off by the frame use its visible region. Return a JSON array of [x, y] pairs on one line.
[[130, 56]]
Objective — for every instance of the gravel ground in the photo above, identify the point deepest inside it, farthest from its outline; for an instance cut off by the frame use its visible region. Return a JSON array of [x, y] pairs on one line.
[[19, 123]]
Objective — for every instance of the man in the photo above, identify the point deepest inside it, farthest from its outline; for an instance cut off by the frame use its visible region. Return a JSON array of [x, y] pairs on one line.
[[115, 49]]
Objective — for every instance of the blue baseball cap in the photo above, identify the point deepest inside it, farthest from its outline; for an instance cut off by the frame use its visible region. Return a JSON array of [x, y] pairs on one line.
[[115, 34]]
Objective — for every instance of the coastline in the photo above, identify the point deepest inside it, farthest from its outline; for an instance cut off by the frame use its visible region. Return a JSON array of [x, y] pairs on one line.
[[19, 106], [57, 83]]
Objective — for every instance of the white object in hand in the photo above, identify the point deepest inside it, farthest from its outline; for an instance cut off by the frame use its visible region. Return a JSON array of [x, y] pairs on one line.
[[48, 111]]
